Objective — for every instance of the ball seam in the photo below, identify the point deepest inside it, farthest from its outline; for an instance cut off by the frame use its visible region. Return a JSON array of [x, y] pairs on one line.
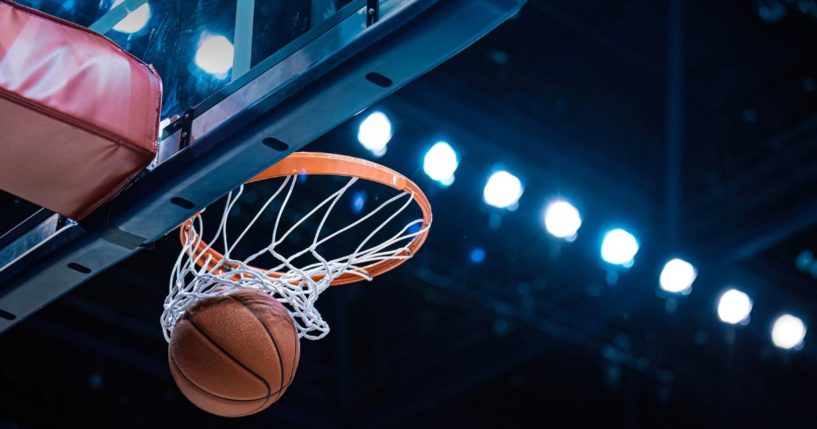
[[205, 391], [227, 354], [272, 338]]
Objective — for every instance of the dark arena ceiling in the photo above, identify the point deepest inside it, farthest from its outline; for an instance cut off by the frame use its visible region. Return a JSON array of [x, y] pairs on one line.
[[691, 124]]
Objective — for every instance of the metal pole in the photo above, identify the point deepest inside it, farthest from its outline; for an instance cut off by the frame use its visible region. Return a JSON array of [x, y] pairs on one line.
[[242, 59]]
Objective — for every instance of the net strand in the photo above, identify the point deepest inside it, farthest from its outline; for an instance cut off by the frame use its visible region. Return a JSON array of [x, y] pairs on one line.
[[196, 275]]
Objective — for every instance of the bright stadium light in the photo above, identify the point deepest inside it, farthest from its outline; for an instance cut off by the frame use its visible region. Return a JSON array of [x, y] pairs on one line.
[[788, 332], [502, 190], [562, 220], [215, 55], [678, 276], [619, 248], [135, 20], [734, 307], [440, 163], [375, 133]]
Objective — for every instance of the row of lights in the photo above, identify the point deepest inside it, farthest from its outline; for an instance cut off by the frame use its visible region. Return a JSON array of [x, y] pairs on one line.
[[214, 54], [562, 220], [503, 190]]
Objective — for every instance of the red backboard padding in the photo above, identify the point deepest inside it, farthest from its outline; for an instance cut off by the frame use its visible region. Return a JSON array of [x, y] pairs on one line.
[[79, 116]]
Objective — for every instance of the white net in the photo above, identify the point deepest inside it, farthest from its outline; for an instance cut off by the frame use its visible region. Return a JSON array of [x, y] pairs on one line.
[[198, 274]]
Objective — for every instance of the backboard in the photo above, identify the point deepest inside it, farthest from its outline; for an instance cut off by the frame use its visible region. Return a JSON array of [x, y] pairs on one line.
[[246, 83]]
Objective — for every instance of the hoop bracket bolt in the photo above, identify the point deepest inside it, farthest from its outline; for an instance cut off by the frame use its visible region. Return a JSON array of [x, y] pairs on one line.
[[372, 12], [187, 126]]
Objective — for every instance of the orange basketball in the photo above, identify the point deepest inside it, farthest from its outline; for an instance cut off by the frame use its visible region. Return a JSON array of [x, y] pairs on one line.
[[234, 355]]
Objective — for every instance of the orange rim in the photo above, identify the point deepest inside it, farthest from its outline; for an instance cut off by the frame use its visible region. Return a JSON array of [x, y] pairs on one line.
[[327, 164]]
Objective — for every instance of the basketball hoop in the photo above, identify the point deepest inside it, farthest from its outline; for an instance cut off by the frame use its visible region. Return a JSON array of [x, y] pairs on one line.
[[202, 271]]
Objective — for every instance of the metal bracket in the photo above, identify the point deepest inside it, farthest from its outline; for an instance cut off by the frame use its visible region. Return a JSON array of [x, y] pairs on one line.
[[372, 12], [121, 238], [187, 126], [63, 221]]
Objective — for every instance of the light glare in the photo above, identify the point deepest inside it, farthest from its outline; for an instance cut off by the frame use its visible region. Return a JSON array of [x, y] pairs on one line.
[[502, 190], [619, 248], [358, 201], [678, 276], [788, 332], [734, 307], [135, 20], [477, 255], [440, 163], [562, 220], [215, 55], [375, 133]]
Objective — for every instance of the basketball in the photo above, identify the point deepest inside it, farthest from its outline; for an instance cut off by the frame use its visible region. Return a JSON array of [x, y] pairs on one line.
[[476, 214], [234, 355]]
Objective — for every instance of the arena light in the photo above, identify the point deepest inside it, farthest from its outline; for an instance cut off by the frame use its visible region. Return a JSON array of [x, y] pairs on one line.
[[788, 332], [619, 248], [440, 163], [734, 307], [476, 255], [358, 201], [215, 55], [502, 190], [375, 133], [135, 21], [678, 276], [562, 220]]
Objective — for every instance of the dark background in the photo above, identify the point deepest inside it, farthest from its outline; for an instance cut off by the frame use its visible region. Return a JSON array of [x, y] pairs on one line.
[[580, 100]]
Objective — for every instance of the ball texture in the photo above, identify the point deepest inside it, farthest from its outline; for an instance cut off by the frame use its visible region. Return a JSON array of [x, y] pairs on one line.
[[234, 355]]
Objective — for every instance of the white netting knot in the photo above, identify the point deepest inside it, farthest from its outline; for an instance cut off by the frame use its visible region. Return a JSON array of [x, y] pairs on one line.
[[197, 275]]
